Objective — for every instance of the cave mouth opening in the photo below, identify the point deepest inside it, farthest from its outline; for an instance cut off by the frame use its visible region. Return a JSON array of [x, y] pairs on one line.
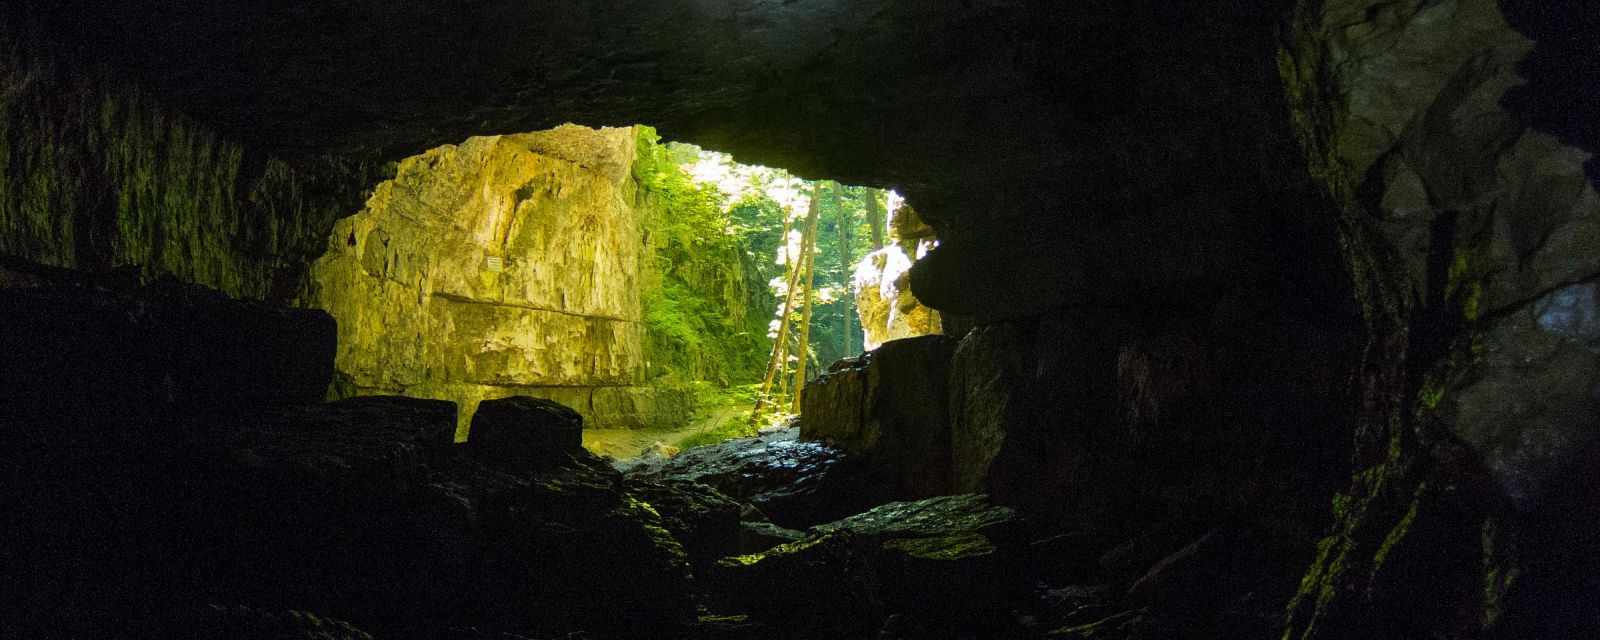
[[642, 283]]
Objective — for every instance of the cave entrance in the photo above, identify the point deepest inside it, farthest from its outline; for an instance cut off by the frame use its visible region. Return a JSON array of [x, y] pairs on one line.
[[641, 283]]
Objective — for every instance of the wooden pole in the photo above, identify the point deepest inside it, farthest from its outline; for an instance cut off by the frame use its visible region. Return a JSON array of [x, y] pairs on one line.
[[805, 316], [780, 352]]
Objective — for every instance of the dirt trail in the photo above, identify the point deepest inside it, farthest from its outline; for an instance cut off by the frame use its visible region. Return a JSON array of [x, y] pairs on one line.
[[628, 443]]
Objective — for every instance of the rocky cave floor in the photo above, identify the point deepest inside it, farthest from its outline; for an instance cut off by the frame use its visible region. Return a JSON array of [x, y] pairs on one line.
[[360, 510], [191, 484]]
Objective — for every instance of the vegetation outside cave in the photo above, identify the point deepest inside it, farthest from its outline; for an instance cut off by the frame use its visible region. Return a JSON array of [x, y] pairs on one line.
[[728, 243]]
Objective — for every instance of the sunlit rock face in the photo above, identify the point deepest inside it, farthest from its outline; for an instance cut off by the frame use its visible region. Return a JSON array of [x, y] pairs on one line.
[[888, 309], [505, 265]]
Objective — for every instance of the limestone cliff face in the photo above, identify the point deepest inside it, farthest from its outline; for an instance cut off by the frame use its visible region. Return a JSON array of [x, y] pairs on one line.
[[888, 309], [503, 265]]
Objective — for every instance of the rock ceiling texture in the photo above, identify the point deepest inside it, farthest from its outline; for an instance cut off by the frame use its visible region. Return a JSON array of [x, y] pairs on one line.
[[1097, 124]]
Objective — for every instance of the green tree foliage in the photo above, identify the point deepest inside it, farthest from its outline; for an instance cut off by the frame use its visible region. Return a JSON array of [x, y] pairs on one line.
[[715, 285], [758, 221], [844, 223], [705, 304]]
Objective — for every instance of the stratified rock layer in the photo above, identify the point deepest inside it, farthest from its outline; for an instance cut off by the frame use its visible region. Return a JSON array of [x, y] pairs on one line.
[[503, 266]]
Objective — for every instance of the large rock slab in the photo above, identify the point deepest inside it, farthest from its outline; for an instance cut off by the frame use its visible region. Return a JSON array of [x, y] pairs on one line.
[[937, 565], [889, 405], [794, 483], [704, 520], [986, 372]]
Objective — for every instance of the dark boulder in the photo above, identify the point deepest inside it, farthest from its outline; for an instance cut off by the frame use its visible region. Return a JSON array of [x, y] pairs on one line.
[[523, 433], [84, 358], [112, 400], [701, 518], [940, 564], [568, 550], [796, 484], [244, 623], [392, 436], [362, 508], [755, 537], [889, 405]]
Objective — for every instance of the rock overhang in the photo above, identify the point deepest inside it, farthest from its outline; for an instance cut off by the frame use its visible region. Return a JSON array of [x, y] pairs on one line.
[[1009, 115]]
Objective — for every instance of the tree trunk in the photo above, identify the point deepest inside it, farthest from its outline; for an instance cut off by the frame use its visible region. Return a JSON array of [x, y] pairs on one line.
[[780, 352], [848, 303], [875, 219], [809, 252]]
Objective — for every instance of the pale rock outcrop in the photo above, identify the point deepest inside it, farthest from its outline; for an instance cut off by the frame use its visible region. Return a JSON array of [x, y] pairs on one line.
[[888, 309], [506, 265]]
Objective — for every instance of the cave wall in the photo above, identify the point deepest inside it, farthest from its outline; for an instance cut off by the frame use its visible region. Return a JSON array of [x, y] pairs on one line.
[[1494, 222], [506, 265], [99, 175], [1472, 235]]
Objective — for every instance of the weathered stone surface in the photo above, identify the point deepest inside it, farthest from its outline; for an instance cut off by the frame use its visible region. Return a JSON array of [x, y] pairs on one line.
[[501, 266], [103, 176], [984, 372], [889, 405], [1414, 119], [756, 537], [390, 439], [931, 517], [888, 309], [939, 561], [795, 483], [1534, 402], [558, 546], [701, 518], [522, 433], [640, 407]]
